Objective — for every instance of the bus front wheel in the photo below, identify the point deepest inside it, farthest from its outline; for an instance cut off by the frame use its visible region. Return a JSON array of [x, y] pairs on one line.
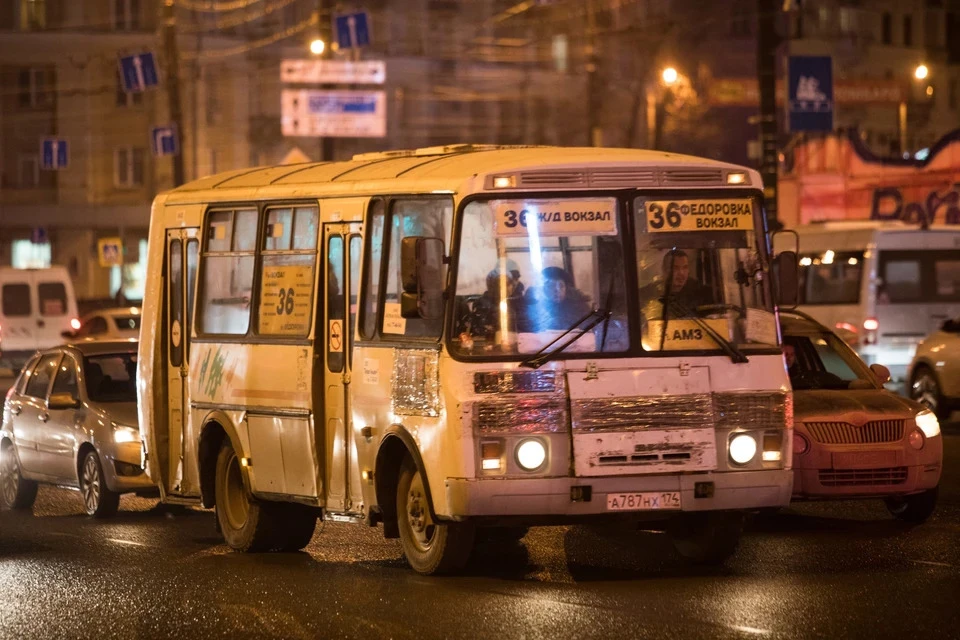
[[430, 547], [244, 521], [707, 537]]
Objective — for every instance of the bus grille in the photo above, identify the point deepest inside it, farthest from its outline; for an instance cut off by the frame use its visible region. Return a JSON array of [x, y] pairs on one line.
[[725, 410], [862, 477], [873, 432], [524, 415]]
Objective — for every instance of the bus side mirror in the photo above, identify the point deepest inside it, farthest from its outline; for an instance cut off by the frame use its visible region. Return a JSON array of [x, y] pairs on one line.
[[787, 277], [421, 274]]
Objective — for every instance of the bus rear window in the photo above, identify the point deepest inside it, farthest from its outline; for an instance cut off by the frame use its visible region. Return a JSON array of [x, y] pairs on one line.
[[831, 278], [53, 298], [919, 275], [16, 300]]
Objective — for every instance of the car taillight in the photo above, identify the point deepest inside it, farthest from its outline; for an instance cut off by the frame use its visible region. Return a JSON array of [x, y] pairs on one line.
[[871, 324]]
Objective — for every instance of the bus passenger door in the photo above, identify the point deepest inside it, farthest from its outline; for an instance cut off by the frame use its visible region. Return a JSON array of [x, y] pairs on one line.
[[183, 249], [342, 245]]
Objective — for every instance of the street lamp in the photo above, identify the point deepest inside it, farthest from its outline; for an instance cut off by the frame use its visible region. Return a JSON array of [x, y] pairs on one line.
[[317, 46], [921, 72], [669, 76]]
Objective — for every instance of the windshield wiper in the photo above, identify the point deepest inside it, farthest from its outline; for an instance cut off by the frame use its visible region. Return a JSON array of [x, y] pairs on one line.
[[728, 347], [543, 356]]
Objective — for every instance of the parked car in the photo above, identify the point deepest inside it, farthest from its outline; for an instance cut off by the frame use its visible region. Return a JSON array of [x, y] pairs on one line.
[[36, 307], [71, 419], [934, 375], [120, 323], [852, 437]]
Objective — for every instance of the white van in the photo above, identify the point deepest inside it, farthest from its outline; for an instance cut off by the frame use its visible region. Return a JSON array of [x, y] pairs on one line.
[[883, 285], [36, 307]]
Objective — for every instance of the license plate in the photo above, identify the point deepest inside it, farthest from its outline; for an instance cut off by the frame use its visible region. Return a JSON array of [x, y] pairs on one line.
[[645, 501]]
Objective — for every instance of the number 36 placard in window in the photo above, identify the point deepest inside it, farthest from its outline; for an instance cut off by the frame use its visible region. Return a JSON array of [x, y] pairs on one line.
[[285, 299], [720, 214]]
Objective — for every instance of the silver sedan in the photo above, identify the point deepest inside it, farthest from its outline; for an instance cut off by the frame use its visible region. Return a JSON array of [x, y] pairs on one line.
[[70, 419]]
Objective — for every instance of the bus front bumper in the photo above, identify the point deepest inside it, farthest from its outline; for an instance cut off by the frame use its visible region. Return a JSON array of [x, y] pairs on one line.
[[472, 497]]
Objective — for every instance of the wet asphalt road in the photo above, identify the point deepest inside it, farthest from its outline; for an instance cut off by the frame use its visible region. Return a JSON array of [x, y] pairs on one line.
[[826, 570]]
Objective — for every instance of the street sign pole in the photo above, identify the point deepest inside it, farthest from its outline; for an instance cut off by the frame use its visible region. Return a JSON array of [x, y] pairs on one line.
[[168, 19]]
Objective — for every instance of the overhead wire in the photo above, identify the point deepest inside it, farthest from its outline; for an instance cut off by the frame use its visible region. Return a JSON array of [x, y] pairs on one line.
[[216, 6]]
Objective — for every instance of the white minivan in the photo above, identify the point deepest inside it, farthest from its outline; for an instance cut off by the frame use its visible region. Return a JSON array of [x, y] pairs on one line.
[[882, 285], [36, 307]]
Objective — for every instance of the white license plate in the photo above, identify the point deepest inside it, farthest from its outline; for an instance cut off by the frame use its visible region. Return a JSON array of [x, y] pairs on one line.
[[645, 501]]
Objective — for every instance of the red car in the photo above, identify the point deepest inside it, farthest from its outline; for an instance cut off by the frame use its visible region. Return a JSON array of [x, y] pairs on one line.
[[852, 437]]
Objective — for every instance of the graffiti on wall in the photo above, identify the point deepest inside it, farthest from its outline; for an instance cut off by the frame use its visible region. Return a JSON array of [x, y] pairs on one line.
[[890, 203]]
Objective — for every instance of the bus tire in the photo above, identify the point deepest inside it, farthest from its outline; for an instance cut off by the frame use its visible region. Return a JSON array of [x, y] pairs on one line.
[[430, 547], [706, 537], [246, 523], [914, 509], [16, 492], [297, 524]]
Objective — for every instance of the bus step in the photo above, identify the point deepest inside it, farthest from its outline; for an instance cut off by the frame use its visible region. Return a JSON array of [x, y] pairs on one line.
[[334, 516]]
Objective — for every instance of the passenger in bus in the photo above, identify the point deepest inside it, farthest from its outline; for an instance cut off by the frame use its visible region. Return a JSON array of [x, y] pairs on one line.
[[554, 306], [686, 293], [502, 284]]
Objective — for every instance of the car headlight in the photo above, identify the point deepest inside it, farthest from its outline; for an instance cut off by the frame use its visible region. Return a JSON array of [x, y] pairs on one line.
[[743, 447], [928, 423], [531, 454], [122, 434]]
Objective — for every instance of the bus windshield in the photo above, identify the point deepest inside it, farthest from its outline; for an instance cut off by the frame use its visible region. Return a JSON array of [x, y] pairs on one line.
[[532, 269], [701, 274]]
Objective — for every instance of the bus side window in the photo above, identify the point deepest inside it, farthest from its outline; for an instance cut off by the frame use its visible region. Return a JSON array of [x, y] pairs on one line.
[[429, 217], [287, 267], [373, 257], [227, 272]]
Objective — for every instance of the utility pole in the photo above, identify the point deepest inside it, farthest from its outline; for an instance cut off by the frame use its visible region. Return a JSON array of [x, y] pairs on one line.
[[325, 27], [594, 130], [767, 43], [168, 20]]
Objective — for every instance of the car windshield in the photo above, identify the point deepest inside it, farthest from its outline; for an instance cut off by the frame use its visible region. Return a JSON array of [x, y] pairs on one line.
[[111, 377], [531, 269], [823, 361], [707, 250]]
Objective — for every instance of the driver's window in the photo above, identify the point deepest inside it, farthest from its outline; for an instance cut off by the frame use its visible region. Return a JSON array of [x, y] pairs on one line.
[[66, 380], [831, 360]]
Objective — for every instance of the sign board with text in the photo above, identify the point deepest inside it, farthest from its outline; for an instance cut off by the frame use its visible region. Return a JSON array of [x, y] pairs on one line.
[[726, 214], [333, 113], [287, 291], [561, 217], [334, 71]]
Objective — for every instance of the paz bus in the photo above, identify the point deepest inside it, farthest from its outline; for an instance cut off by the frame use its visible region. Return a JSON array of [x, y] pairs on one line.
[[466, 339]]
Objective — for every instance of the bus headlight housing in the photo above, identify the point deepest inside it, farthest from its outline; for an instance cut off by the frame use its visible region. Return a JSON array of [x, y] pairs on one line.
[[531, 454], [928, 423], [742, 448]]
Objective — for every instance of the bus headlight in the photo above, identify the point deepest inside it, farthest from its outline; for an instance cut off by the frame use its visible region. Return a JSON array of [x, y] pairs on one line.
[[928, 423], [743, 447], [531, 454]]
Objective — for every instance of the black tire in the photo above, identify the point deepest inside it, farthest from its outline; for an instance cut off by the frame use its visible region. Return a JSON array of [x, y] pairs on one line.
[[430, 547], [16, 492], [501, 534], [925, 389], [297, 524], [98, 500], [914, 509], [707, 537], [247, 525]]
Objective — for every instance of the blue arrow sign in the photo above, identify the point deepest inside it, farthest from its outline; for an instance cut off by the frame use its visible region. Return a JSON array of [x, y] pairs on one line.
[[139, 72], [54, 153], [353, 30], [164, 141]]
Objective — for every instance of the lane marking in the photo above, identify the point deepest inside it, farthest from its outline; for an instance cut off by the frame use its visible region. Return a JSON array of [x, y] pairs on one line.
[[128, 542], [933, 564], [752, 630]]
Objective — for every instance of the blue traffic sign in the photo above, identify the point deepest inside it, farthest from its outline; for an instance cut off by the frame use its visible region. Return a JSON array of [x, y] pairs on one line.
[[139, 72], [353, 30], [164, 141], [810, 93], [54, 153]]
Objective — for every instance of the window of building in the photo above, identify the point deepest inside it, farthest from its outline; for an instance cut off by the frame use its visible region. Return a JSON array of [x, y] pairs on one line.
[[125, 99], [28, 171], [886, 29], [30, 255], [908, 31], [287, 269], [126, 15], [227, 279], [128, 167], [560, 51], [33, 15], [34, 85]]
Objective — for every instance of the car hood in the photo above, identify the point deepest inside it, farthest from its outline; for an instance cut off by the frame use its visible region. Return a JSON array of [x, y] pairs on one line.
[[124, 413], [855, 406]]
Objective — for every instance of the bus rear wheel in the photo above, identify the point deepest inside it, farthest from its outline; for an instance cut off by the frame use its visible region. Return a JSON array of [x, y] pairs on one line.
[[245, 522], [706, 537], [430, 547]]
